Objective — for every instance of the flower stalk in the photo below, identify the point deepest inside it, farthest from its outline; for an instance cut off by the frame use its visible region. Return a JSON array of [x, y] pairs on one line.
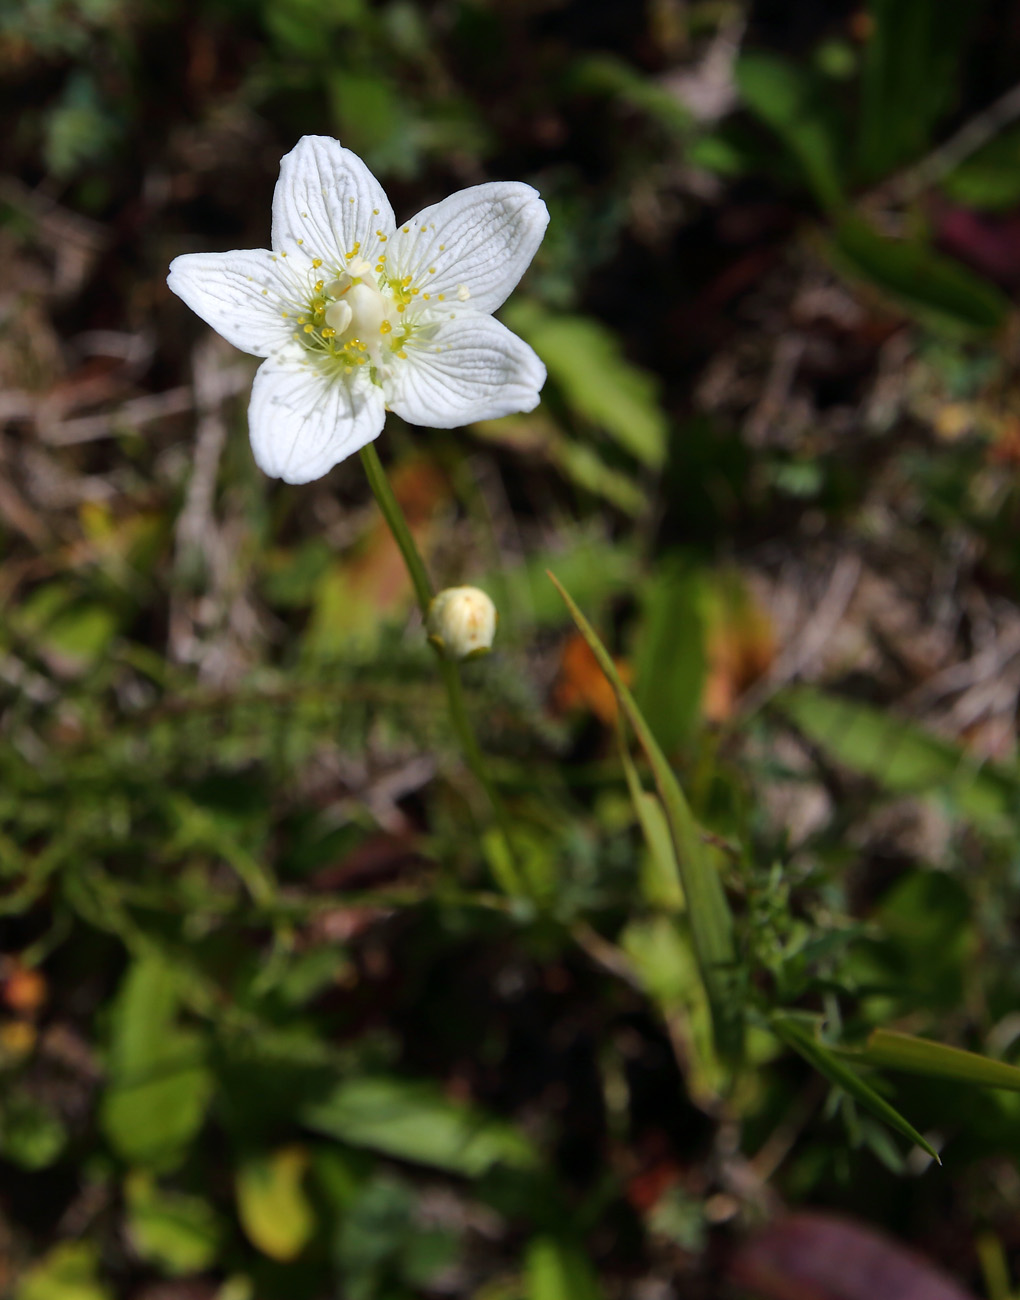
[[449, 669]]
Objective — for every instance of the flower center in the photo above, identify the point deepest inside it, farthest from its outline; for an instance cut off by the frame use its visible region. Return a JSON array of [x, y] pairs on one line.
[[358, 318]]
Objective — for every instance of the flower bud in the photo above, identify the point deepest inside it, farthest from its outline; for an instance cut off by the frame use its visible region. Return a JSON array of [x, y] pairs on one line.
[[462, 622]]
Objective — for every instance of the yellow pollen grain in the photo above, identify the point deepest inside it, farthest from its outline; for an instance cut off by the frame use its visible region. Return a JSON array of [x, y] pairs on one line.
[[362, 360], [283, 254], [406, 280], [348, 370], [442, 297], [442, 248], [349, 200], [426, 296], [385, 327], [301, 241], [284, 314], [320, 285], [382, 237], [407, 230], [375, 212], [264, 292], [304, 214], [316, 262], [301, 320], [432, 270], [248, 278], [401, 306], [402, 354], [272, 257]]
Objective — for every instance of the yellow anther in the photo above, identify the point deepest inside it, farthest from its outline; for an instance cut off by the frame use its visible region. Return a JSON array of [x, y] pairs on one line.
[[406, 280], [442, 297], [316, 262], [272, 257], [402, 354], [385, 327], [407, 230], [432, 270], [349, 200], [284, 314], [329, 332], [426, 296], [264, 292], [320, 285], [283, 254], [401, 306], [442, 248], [362, 360], [301, 241], [301, 320], [375, 212], [309, 329], [382, 237]]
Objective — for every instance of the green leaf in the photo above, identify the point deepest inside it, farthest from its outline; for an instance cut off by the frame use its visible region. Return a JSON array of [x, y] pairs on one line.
[[159, 1087], [789, 100], [990, 179], [68, 1272], [272, 1204], [604, 74], [710, 918], [670, 661], [179, 1234], [826, 1062], [585, 467], [31, 1135], [923, 1056], [413, 1121], [909, 78], [597, 381], [936, 290], [902, 757], [557, 1270], [660, 882]]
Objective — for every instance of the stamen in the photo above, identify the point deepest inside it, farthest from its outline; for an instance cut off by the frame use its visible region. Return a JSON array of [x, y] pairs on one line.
[[316, 262]]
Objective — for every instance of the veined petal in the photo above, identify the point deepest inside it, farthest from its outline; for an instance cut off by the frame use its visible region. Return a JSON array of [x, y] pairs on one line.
[[478, 242], [242, 295], [472, 369], [325, 202], [303, 421]]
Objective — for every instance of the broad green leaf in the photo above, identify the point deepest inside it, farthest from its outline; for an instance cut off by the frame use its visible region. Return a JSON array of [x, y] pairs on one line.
[[990, 179], [607, 75], [557, 1270], [901, 756], [938, 291], [899, 1051], [68, 1272], [272, 1204], [794, 1034], [670, 661], [585, 467], [159, 1087], [710, 919], [788, 99], [908, 78], [179, 1234], [413, 1121], [31, 1134], [587, 365]]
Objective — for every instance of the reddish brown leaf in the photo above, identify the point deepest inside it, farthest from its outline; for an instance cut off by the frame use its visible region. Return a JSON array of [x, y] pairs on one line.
[[812, 1256]]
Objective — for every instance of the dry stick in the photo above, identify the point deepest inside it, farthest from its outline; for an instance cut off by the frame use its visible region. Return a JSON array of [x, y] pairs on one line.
[[394, 516]]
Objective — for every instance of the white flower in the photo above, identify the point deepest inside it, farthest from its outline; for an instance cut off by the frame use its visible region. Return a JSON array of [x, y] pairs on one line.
[[462, 621], [356, 315]]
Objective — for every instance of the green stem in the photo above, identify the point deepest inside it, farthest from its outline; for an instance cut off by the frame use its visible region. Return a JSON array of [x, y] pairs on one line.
[[423, 590]]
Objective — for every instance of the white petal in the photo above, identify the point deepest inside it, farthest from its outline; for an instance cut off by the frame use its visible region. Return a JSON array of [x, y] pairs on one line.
[[479, 372], [481, 238], [325, 202], [302, 421], [242, 295]]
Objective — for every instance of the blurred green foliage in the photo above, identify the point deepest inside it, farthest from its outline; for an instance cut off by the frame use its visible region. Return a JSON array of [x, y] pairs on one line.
[[279, 1016]]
